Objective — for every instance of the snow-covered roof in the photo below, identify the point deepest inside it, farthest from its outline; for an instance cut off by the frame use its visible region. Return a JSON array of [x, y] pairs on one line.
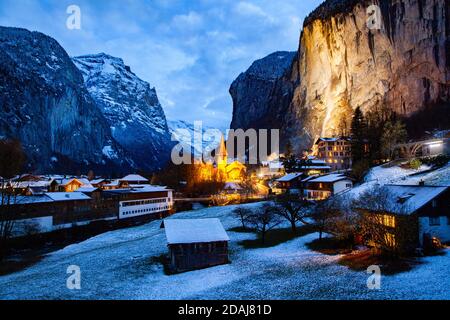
[[289, 177], [31, 184], [67, 196], [141, 189], [31, 199], [113, 183], [334, 177], [184, 231], [85, 181], [96, 181], [86, 189], [408, 199], [134, 177], [66, 181]]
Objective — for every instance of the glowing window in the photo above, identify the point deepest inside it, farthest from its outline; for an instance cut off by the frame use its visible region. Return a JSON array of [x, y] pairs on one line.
[[390, 240]]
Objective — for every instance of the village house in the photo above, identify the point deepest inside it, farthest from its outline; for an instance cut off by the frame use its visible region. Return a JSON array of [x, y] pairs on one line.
[[336, 152], [196, 244], [114, 184], [314, 167], [322, 187], [66, 185], [411, 217], [290, 182]]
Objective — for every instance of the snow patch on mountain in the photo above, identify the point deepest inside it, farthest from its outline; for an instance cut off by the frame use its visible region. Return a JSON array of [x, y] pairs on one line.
[[131, 106]]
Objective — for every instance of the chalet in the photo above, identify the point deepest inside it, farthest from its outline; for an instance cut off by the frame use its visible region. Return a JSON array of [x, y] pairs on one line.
[[99, 183], [412, 217], [115, 184], [31, 187], [323, 187], [196, 244], [291, 182], [336, 152], [315, 167], [66, 185]]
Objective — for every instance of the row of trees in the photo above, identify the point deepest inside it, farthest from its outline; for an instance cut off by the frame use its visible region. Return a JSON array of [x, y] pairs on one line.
[[340, 216], [375, 137], [376, 134], [287, 207]]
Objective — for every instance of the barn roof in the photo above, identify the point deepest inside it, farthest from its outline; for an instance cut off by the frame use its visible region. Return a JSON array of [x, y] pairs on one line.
[[185, 231]]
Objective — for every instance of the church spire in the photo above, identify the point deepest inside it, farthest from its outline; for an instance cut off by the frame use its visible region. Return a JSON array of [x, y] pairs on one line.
[[222, 154]]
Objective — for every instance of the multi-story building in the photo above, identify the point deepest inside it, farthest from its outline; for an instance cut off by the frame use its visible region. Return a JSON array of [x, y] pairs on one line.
[[54, 211], [336, 152]]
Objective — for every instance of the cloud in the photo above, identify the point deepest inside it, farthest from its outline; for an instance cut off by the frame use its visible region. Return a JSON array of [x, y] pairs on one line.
[[250, 9], [191, 20]]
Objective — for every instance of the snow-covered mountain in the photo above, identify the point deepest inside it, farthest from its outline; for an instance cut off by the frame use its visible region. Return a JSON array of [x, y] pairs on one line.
[[183, 132], [44, 104], [131, 108]]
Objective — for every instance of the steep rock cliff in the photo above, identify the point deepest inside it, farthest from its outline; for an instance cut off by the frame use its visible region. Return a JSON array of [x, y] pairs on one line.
[[342, 64], [260, 92], [44, 103]]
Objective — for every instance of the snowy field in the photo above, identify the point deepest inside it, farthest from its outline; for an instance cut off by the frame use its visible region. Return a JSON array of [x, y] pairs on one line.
[[118, 265]]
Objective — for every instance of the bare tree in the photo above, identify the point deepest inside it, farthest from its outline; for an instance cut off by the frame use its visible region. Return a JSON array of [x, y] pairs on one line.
[[379, 219], [292, 208], [334, 216], [264, 219], [12, 159], [243, 214]]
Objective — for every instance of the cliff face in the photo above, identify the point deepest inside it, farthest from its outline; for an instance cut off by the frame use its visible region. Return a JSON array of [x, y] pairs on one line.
[[131, 108], [259, 92], [342, 64], [44, 103]]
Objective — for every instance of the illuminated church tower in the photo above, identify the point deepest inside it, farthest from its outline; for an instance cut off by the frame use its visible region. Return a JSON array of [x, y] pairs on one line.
[[222, 155]]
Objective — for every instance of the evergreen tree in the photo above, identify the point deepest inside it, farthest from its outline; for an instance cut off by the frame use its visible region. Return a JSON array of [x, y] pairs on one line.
[[358, 134]]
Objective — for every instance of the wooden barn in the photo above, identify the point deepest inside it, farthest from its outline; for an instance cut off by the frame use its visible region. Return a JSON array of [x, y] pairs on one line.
[[196, 244]]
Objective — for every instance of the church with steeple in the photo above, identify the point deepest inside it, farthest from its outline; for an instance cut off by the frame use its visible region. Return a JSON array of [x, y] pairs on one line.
[[222, 169], [229, 170]]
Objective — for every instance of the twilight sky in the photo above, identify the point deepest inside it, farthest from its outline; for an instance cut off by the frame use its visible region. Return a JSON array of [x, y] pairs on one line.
[[190, 50]]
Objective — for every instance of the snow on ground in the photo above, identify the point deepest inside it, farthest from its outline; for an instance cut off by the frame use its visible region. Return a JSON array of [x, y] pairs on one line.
[[396, 175], [119, 265]]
